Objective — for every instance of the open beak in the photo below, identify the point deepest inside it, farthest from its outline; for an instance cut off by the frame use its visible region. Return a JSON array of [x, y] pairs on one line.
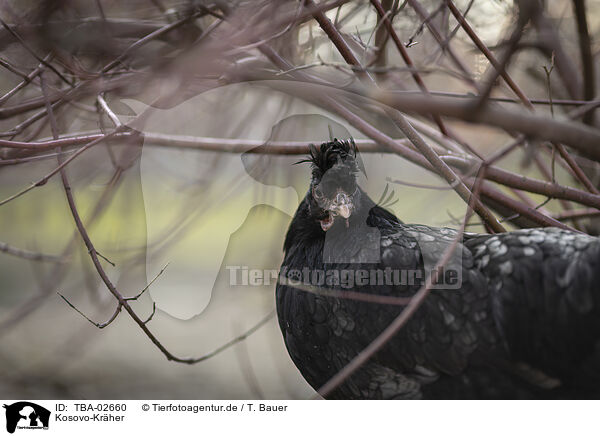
[[341, 206], [327, 222]]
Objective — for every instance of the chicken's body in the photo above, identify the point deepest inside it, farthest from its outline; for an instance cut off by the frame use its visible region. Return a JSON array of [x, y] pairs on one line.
[[524, 321]]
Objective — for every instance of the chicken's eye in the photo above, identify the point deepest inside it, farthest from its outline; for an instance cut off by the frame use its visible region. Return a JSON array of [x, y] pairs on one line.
[[317, 193]]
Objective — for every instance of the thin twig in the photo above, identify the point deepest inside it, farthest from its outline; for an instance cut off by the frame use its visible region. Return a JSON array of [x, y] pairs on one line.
[[26, 80], [138, 295], [97, 324], [346, 295], [34, 54], [402, 50], [440, 166], [59, 168], [587, 59], [29, 255], [114, 118], [575, 214], [151, 314]]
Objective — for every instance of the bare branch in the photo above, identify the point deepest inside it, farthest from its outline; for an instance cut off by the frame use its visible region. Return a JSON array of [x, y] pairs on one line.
[[29, 255], [148, 285], [33, 53], [587, 60], [97, 324]]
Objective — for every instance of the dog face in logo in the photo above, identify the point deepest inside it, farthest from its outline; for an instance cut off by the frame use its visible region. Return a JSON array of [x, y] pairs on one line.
[[27, 414]]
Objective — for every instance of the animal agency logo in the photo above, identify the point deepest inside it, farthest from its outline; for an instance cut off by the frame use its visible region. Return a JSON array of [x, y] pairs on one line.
[[26, 415]]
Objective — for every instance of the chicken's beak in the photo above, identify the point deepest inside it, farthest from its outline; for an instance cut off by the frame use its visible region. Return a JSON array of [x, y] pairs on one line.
[[344, 211], [327, 222], [342, 205]]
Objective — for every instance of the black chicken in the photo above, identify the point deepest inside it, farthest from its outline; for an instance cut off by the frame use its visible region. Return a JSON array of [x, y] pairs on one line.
[[518, 318]]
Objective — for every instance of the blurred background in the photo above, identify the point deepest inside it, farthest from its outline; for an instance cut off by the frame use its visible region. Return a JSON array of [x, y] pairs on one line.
[[191, 183]]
